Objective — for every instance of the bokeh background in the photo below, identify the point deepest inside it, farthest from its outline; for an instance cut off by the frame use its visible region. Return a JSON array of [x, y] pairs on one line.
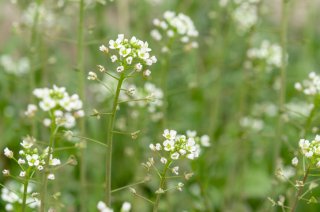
[[211, 89]]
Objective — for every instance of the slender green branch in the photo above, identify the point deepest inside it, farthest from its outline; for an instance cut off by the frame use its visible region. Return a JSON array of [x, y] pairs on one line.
[[89, 139], [128, 186], [161, 186], [110, 141], [298, 195]]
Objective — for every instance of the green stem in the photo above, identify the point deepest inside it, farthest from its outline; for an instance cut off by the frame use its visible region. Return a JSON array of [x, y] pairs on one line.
[[282, 95], [81, 75], [295, 203], [33, 45], [161, 186], [53, 131], [110, 141], [25, 192]]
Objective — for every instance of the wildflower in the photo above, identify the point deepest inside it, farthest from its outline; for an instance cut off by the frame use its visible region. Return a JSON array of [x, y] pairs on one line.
[[92, 76], [102, 207], [179, 186], [126, 207], [159, 191], [174, 25], [51, 176], [295, 161], [8, 153], [120, 69], [22, 174], [163, 160], [103, 48], [169, 134], [31, 110], [6, 172], [175, 170]]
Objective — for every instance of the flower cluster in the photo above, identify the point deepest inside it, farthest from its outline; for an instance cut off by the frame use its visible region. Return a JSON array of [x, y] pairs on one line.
[[13, 66], [46, 17], [180, 146], [30, 159], [270, 54], [252, 123], [11, 195], [131, 54], [310, 86], [246, 14], [310, 150], [149, 96], [175, 26], [63, 108], [102, 207]]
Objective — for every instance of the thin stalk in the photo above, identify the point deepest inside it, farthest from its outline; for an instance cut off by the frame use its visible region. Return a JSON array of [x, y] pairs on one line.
[[110, 141], [53, 131], [33, 45], [161, 186], [282, 94], [81, 75], [25, 192], [295, 203]]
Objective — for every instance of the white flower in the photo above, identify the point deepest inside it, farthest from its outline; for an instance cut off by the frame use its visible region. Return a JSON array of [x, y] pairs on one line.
[[295, 161], [46, 122], [175, 170], [129, 60], [138, 67], [155, 34], [102, 207], [169, 134], [47, 104], [147, 73], [114, 58], [180, 186], [22, 174], [31, 109], [168, 145], [6, 172], [55, 162], [51, 176], [175, 156], [103, 48], [120, 69], [33, 160], [158, 147], [205, 141], [92, 76], [126, 207], [309, 154], [8, 153], [163, 160], [21, 161]]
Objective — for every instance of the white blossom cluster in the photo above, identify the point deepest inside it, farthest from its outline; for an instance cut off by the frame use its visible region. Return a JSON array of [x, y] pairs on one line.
[[310, 150], [180, 146], [252, 123], [310, 86], [245, 14], [14, 66], [102, 207], [62, 108], [30, 159], [11, 195], [131, 54], [46, 18], [175, 26], [270, 54], [149, 96]]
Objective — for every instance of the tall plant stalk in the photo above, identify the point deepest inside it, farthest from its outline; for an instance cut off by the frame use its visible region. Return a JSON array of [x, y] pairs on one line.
[[110, 141], [81, 76], [25, 192], [53, 131], [282, 93], [161, 186]]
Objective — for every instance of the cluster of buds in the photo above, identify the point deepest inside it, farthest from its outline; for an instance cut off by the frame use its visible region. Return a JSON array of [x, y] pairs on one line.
[[30, 159], [310, 86], [63, 109], [310, 150], [130, 55], [269, 54], [175, 26]]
